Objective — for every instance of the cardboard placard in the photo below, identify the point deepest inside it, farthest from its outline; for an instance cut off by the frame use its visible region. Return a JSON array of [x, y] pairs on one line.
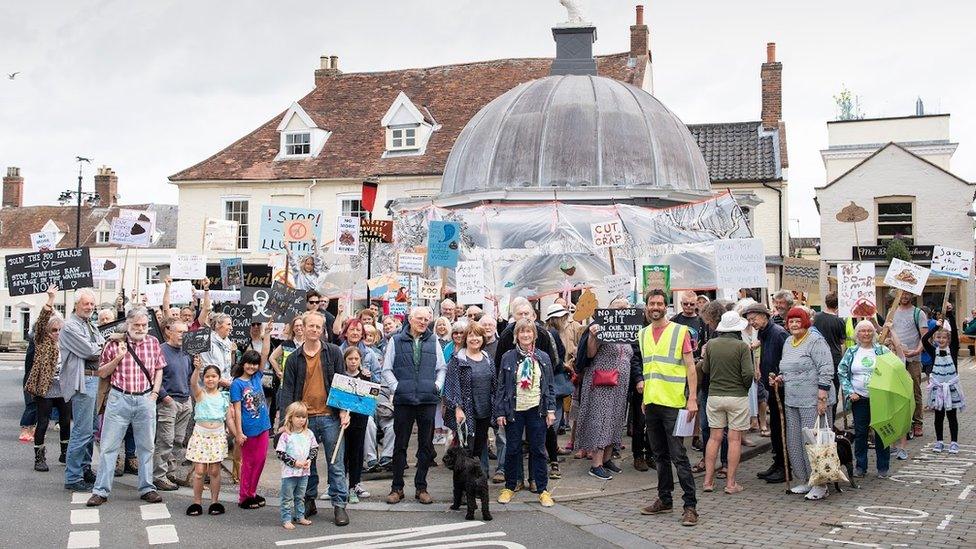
[[657, 277], [740, 263], [118, 327], [353, 394], [258, 276], [619, 285], [469, 278], [606, 234], [232, 272], [44, 241], [220, 296], [33, 273], [285, 303], [105, 269], [907, 276], [180, 292], [273, 218], [220, 235], [197, 341], [346, 236], [952, 262], [410, 263], [376, 230], [443, 243], [188, 266], [240, 316], [430, 288], [856, 292], [133, 228], [802, 275], [257, 298], [618, 325]]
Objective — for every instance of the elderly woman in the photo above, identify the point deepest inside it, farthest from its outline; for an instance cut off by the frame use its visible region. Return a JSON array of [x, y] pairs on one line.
[[806, 372], [221, 353], [458, 330], [468, 387], [353, 336], [442, 330], [603, 398], [44, 380], [525, 403], [855, 370]]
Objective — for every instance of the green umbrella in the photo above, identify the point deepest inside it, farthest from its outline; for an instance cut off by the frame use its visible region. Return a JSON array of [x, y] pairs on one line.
[[892, 398]]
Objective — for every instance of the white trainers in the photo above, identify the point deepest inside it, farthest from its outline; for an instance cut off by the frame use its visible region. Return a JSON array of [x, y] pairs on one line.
[[360, 491], [817, 492], [801, 489], [938, 447]]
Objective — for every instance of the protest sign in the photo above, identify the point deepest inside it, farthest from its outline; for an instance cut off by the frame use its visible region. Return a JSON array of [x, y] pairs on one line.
[[105, 269], [297, 230], [257, 298], [470, 281], [346, 236], [375, 230], [196, 342], [188, 266], [855, 293], [618, 325], [443, 243], [657, 277], [33, 273], [220, 296], [232, 272], [44, 241], [180, 292], [619, 285], [430, 288], [133, 228], [802, 275], [410, 263], [273, 218], [220, 235], [952, 262], [606, 234], [285, 303], [353, 394], [906, 276], [399, 308], [118, 327], [740, 263], [240, 317]]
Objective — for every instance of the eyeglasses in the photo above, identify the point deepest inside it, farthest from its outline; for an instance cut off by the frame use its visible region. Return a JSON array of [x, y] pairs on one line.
[[314, 301]]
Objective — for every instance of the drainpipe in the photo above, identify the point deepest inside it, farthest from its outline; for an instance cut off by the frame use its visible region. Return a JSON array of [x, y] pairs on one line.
[[308, 193], [779, 193]]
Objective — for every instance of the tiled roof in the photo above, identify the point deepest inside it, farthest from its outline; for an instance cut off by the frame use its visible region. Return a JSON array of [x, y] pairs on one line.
[[17, 224], [737, 151], [352, 105]]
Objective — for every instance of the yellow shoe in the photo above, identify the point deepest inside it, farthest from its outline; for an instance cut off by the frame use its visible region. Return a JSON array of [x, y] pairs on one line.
[[506, 496], [545, 498]]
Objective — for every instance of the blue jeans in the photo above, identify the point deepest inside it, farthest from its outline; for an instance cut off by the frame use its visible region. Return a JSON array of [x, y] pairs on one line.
[[82, 431], [292, 498], [862, 420], [130, 443], [706, 431], [530, 422], [326, 430], [122, 410], [29, 417]]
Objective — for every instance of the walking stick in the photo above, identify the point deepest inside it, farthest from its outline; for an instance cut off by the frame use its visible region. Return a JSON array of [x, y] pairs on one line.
[[782, 429], [335, 452]]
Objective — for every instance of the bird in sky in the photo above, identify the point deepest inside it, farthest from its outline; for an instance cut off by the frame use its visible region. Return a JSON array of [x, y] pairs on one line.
[[13, 75]]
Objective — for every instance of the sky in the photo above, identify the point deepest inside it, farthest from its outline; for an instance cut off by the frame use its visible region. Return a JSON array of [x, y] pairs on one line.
[[150, 88]]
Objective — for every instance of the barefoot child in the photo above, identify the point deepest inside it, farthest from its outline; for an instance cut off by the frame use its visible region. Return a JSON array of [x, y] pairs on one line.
[[296, 449], [207, 447], [945, 394], [251, 423]]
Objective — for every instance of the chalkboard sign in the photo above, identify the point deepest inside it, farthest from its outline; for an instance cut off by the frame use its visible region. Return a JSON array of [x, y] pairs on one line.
[[619, 325], [197, 341], [33, 273], [118, 327], [240, 315], [285, 303]]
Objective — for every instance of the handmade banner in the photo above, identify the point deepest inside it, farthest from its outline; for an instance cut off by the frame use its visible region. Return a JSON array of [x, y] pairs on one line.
[[105, 269], [133, 228], [856, 293], [180, 292], [802, 275], [346, 236], [220, 235], [410, 263], [232, 272], [271, 238], [952, 262], [619, 285], [297, 230], [907, 276], [430, 288], [44, 241], [470, 277], [353, 394], [375, 230], [188, 266], [285, 303], [240, 316], [740, 263], [657, 276], [606, 234], [618, 325], [196, 342], [220, 296], [118, 327], [33, 273], [443, 243], [399, 308]]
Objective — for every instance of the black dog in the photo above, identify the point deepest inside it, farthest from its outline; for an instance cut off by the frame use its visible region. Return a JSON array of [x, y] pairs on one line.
[[469, 479], [845, 453]]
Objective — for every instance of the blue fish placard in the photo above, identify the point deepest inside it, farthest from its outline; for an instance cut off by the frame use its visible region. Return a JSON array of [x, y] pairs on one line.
[[443, 244]]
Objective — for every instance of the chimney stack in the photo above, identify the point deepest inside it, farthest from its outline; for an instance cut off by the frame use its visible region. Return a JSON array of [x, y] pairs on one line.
[[107, 186], [771, 75], [639, 36], [13, 189], [328, 68]]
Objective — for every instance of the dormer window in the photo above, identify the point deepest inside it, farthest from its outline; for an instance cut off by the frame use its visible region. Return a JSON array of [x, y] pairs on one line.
[[298, 143], [402, 139], [408, 129], [301, 137], [101, 237]]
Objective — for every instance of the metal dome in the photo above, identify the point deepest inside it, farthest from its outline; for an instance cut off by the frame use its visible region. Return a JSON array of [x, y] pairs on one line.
[[575, 131]]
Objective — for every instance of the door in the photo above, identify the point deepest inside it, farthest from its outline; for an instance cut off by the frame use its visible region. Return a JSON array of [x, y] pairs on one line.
[[25, 322]]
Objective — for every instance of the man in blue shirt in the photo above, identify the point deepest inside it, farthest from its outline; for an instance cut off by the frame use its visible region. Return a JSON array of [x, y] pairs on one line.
[[174, 409]]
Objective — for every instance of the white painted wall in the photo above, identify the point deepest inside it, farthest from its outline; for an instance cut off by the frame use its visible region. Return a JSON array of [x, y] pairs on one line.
[[914, 128]]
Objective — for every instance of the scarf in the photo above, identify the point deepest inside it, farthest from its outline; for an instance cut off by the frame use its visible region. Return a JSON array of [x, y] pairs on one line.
[[526, 367]]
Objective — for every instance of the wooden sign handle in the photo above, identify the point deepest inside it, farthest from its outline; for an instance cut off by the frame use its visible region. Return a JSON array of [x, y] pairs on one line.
[[891, 315], [945, 298], [335, 452]]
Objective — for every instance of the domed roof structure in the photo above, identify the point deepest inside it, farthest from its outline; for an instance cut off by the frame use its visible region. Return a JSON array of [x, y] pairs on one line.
[[574, 131]]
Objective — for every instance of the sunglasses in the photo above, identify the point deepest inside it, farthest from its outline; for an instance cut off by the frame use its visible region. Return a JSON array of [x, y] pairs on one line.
[[314, 301]]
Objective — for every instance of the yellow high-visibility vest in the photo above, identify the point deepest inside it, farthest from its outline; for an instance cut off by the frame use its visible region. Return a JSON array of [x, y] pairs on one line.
[[665, 374]]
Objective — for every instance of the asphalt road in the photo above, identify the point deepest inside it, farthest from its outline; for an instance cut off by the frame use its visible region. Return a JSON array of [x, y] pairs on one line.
[[38, 512]]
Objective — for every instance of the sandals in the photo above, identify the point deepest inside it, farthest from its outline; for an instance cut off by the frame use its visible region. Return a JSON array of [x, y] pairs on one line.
[[260, 500], [765, 433], [707, 488], [249, 503], [194, 510], [215, 509], [722, 473], [699, 467], [734, 489]]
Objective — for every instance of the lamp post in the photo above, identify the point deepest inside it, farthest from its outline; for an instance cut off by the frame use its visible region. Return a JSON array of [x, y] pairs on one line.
[[90, 197]]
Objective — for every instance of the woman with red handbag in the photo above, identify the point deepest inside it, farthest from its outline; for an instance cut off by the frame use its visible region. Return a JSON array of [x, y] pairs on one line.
[[603, 399]]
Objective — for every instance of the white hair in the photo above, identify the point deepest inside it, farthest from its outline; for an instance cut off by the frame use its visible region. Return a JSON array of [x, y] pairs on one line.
[[785, 295], [135, 313], [416, 310], [83, 293], [217, 319], [518, 302]]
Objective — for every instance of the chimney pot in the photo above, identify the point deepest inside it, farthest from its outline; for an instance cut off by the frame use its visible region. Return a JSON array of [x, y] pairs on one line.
[[324, 62], [771, 52], [640, 14], [334, 62]]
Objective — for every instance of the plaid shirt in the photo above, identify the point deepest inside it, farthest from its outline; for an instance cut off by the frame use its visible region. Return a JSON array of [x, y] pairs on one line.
[[128, 376]]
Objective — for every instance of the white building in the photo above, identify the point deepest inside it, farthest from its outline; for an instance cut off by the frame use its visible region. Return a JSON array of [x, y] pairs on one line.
[[898, 170]]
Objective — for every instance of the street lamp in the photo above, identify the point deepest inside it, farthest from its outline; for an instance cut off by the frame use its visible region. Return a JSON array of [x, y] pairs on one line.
[[91, 198]]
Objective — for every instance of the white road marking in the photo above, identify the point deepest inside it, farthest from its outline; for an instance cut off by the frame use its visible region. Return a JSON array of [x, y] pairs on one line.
[[83, 539], [84, 516], [11, 368], [448, 541], [965, 491], [80, 497], [845, 542], [945, 523], [399, 533], [161, 534], [154, 511]]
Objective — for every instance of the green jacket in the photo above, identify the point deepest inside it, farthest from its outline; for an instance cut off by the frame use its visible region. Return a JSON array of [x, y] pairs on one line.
[[728, 363]]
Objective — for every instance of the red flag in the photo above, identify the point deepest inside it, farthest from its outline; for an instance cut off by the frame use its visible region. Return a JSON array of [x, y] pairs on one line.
[[369, 195]]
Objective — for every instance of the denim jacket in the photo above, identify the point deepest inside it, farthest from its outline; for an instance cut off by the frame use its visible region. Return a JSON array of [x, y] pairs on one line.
[[844, 368]]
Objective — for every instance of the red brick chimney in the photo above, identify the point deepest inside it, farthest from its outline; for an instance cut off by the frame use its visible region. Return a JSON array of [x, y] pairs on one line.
[[771, 75], [107, 186], [639, 36], [328, 68], [13, 189]]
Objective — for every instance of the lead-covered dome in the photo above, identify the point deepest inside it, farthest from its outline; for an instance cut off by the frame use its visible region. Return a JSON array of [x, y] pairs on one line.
[[575, 131]]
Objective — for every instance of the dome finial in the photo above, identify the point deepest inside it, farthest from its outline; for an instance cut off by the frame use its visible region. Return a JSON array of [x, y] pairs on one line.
[[575, 13]]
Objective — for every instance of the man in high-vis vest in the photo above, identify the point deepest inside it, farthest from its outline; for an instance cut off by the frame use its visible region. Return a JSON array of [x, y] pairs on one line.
[[669, 375]]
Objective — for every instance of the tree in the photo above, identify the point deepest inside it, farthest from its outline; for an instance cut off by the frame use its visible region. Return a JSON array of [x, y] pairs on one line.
[[897, 250], [848, 105]]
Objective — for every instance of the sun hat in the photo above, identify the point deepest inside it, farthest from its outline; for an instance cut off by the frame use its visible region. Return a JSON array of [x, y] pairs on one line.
[[755, 308], [731, 322], [555, 311]]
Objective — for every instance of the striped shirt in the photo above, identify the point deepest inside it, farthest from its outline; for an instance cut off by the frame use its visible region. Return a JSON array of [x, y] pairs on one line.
[[128, 375]]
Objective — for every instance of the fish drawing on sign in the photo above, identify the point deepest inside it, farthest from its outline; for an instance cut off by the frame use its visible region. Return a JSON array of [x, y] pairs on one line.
[[448, 235]]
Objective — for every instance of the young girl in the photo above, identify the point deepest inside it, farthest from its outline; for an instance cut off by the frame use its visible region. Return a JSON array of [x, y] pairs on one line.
[[296, 449], [945, 394], [251, 424], [207, 448], [356, 432]]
